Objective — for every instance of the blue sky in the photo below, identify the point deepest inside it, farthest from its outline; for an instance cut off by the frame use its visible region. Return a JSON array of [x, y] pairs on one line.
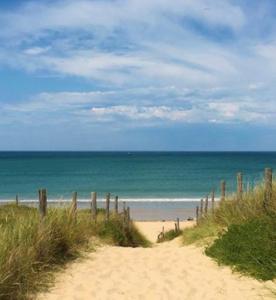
[[138, 75]]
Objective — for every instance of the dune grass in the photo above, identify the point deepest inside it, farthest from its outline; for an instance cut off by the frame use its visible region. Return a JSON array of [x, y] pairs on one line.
[[169, 235], [240, 234], [249, 247], [31, 248]]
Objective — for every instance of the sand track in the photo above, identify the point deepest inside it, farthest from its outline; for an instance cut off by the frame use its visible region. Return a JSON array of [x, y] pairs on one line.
[[166, 271]]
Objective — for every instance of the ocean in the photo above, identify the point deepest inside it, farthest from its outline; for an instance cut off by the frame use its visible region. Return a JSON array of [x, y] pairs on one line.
[[148, 181]]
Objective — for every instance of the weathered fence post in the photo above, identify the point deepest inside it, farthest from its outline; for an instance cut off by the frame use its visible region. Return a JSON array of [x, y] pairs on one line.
[[177, 222], [206, 206], [125, 216], [94, 206], [222, 187], [268, 187], [201, 208], [128, 217], [247, 187], [16, 200], [74, 203], [213, 201], [116, 205], [239, 186], [107, 206], [197, 216], [42, 202]]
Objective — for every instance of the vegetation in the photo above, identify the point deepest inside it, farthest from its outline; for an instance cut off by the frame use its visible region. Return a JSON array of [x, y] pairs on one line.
[[169, 235], [250, 247], [30, 247], [241, 234]]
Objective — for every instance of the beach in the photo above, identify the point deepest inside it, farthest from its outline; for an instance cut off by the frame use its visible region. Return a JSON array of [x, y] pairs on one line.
[[167, 270]]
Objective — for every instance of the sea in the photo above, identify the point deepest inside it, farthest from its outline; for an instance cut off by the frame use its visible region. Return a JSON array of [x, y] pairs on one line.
[[155, 185]]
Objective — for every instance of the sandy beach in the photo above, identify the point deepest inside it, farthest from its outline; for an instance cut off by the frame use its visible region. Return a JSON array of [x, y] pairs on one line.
[[165, 271]]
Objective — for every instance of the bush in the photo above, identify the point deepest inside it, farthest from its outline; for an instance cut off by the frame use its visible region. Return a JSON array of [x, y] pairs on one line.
[[246, 231], [250, 247]]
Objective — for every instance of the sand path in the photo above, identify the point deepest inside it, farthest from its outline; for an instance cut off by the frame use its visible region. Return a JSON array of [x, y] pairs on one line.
[[165, 271]]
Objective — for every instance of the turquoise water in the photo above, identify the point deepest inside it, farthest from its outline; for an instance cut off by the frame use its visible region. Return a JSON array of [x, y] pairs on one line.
[[136, 175]]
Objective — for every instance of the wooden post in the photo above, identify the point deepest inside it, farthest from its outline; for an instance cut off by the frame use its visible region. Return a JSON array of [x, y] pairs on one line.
[[42, 202], [213, 201], [177, 222], [239, 186], [107, 206], [206, 206], [222, 187], [116, 205], [128, 217], [16, 200], [201, 208], [248, 187], [197, 216], [125, 216], [94, 206], [268, 187], [74, 203]]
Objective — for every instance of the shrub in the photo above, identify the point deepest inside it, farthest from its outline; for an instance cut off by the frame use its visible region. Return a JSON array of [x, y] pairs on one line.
[[250, 247]]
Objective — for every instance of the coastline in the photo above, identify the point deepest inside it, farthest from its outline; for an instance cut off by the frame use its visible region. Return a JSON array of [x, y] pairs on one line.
[[140, 210]]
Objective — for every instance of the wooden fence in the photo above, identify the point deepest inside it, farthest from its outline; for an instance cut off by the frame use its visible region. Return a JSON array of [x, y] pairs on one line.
[[202, 210]]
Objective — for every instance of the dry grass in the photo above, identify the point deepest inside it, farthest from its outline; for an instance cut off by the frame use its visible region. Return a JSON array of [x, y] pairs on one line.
[[31, 248]]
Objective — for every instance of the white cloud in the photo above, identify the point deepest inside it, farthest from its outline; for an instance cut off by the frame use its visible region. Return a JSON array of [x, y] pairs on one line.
[[151, 105], [141, 113], [36, 50], [152, 60]]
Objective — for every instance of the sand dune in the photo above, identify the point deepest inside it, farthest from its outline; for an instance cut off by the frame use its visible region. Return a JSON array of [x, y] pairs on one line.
[[165, 271]]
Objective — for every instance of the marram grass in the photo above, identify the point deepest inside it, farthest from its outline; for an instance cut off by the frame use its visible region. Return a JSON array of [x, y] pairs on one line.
[[241, 234], [31, 248]]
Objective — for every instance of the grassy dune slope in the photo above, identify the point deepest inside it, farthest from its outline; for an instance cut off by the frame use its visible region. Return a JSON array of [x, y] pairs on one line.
[[241, 234], [31, 248]]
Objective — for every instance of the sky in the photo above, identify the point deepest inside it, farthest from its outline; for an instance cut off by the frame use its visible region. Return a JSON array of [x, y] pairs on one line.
[[180, 75]]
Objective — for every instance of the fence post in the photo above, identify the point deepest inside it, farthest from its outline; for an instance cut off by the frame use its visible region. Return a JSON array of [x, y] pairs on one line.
[[222, 187], [177, 222], [116, 205], [94, 206], [213, 201], [206, 206], [107, 206], [268, 187], [42, 202], [128, 217], [74, 203], [239, 186], [16, 200], [201, 208], [197, 217], [248, 187]]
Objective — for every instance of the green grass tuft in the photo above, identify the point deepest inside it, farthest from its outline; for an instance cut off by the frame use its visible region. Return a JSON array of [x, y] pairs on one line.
[[201, 235], [249, 247], [169, 235]]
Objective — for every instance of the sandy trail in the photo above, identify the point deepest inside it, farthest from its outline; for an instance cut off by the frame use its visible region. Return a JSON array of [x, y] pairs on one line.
[[165, 271]]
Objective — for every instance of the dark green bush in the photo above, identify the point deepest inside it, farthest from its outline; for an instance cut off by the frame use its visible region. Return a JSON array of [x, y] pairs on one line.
[[249, 247]]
